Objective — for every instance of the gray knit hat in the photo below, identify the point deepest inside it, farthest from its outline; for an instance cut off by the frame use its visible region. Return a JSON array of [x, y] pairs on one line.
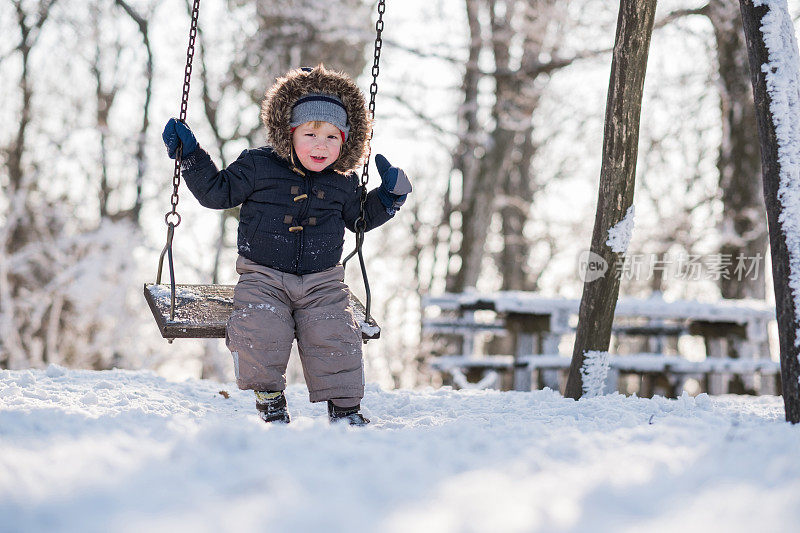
[[323, 107]]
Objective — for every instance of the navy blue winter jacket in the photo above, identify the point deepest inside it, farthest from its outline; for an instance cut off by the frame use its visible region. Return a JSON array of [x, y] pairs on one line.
[[290, 222]]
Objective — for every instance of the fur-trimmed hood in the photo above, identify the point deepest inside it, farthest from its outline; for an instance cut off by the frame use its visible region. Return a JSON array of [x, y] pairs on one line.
[[276, 112]]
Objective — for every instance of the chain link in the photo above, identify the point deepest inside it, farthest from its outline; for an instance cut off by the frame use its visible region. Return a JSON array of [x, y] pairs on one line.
[[172, 217], [361, 223]]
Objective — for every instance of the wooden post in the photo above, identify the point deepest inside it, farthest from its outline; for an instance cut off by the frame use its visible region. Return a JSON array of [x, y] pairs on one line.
[[526, 331], [779, 216], [620, 139]]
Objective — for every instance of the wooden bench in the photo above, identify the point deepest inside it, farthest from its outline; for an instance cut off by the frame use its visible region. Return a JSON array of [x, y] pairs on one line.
[[734, 333]]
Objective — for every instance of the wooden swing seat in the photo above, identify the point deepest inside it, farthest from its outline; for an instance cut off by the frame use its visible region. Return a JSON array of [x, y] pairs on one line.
[[201, 311]]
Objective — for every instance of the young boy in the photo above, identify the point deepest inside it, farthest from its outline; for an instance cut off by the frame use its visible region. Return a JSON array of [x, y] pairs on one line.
[[297, 195]]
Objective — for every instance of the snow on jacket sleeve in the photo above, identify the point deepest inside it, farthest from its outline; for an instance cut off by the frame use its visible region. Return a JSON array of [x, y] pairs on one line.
[[219, 189], [374, 212]]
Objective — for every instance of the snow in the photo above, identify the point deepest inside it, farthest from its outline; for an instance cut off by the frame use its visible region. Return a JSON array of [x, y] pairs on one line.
[[783, 86], [620, 235], [163, 293], [129, 451], [594, 372], [368, 329]]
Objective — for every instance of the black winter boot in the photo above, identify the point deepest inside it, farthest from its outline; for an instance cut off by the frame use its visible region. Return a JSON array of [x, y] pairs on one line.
[[272, 406], [351, 415]]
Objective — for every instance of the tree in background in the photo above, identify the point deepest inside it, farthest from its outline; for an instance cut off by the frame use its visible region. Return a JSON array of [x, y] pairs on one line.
[[111, 70], [496, 146], [60, 277], [494, 165], [494, 161], [141, 18], [617, 178], [743, 229], [24, 218], [775, 74], [73, 178], [300, 33]]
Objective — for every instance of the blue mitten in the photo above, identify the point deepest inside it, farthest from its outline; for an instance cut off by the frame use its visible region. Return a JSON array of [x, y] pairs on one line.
[[395, 185], [176, 132]]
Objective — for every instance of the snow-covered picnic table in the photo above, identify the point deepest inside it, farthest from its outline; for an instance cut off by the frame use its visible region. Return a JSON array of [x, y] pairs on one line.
[[734, 334]]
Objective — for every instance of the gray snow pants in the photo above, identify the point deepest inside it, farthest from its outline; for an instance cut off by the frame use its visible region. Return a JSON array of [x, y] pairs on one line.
[[271, 308]]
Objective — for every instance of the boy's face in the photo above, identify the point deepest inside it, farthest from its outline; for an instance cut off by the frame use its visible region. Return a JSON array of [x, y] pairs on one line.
[[317, 148]]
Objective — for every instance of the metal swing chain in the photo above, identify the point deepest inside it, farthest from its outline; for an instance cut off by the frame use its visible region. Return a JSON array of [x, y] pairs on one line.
[[187, 78], [373, 91], [173, 218], [361, 224]]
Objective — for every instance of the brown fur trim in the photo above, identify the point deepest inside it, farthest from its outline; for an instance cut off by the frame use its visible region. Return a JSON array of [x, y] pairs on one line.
[[276, 112]]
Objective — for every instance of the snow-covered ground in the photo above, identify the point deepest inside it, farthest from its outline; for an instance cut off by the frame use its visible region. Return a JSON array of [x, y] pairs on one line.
[[130, 451]]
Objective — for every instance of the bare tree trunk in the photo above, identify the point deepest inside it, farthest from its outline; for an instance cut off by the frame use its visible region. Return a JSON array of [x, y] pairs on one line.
[[464, 159], [29, 34], [782, 219], [623, 110], [514, 213], [522, 95], [495, 168], [505, 175], [743, 227], [104, 98], [465, 162], [17, 150], [143, 25], [496, 177]]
